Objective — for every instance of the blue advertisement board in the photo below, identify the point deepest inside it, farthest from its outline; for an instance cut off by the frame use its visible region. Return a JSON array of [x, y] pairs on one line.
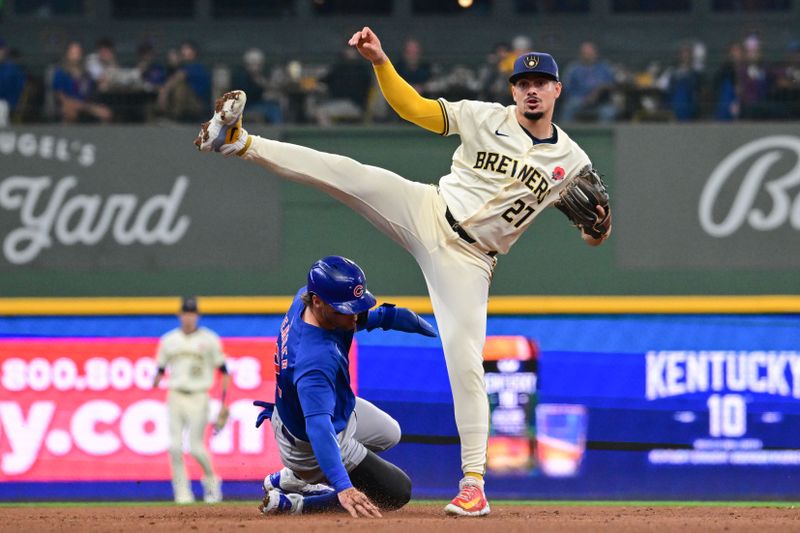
[[623, 407]]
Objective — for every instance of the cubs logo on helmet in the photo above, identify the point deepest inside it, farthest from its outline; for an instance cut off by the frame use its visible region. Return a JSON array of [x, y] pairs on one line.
[[340, 283]]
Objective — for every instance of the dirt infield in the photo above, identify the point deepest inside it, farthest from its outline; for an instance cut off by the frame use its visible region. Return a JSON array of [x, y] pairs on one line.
[[416, 518]]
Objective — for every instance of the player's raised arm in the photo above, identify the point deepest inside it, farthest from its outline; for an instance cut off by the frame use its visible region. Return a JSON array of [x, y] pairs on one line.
[[403, 98]]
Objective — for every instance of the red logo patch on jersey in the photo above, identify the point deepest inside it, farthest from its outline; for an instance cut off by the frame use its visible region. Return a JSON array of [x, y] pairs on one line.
[[358, 291], [284, 364], [558, 174]]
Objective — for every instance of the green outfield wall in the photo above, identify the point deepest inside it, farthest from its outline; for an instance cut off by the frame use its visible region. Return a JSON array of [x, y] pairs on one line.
[[123, 211]]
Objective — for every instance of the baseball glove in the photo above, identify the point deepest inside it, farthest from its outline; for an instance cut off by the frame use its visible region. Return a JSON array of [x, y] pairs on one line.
[[222, 419], [579, 201]]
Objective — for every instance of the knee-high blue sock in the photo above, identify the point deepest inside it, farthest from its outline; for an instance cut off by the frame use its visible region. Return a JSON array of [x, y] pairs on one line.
[[322, 503]]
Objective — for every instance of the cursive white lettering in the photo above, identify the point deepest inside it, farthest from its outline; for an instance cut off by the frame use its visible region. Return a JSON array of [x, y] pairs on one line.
[[86, 219], [743, 208]]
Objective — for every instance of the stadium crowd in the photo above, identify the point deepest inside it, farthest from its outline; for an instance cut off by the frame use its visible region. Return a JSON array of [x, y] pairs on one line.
[[179, 86]]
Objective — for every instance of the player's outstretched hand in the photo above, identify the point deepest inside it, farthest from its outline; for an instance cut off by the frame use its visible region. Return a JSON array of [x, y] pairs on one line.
[[388, 316], [409, 321], [266, 413], [358, 504], [369, 46]]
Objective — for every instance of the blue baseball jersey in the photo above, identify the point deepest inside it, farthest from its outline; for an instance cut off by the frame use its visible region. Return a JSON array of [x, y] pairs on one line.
[[320, 358]]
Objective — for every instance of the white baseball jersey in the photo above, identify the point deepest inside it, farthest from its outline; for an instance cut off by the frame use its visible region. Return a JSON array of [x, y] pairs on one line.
[[500, 180], [192, 359]]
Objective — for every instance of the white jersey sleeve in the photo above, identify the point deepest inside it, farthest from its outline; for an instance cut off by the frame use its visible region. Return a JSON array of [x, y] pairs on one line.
[[464, 115], [501, 178]]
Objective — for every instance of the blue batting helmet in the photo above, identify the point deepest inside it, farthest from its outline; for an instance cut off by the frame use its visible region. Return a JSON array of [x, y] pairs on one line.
[[341, 284]]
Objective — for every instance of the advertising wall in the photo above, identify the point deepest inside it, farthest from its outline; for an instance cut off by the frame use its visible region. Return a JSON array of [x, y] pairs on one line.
[[699, 209], [628, 406], [84, 409]]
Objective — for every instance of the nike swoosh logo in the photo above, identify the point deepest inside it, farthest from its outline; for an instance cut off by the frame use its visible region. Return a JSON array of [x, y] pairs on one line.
[[497, 132], [474, 501]]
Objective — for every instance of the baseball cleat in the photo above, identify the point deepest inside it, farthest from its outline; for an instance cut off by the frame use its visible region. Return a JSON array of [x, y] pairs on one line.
[[184, 499], [212, 490], [285, 480], [470, 501], [277, 502], [224, 132]]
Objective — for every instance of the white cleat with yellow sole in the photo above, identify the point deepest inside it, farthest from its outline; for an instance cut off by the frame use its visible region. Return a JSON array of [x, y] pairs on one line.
[[224, 132]]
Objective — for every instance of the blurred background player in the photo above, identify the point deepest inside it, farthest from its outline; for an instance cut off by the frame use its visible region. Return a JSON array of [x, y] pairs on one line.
[[324, 433], [191, 353]]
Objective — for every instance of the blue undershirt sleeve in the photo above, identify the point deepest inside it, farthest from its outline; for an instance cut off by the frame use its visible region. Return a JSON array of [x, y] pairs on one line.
[[318, 400]]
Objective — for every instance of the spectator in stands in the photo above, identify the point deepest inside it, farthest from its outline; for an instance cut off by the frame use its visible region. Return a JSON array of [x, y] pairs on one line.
[[726, 84], [412, 68], [151, 73], [264, 102], [787, 83], [73, 89], [682, 83], [458, 83], [347, 86], [148, 76], [173, 61], [755, 82], [12, 82], [186, 95], [588, 87], [492, 81], [101, 63], [519, 45]]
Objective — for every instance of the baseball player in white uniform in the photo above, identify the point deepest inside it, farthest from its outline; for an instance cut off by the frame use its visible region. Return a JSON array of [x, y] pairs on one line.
[[191, 354], [511, 165]]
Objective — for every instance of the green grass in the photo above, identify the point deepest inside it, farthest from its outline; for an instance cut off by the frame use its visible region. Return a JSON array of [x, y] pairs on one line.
[[604, 503]]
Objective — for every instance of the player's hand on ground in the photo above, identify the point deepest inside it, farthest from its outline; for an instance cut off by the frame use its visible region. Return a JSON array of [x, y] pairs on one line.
[[369, 46], [357, 503]]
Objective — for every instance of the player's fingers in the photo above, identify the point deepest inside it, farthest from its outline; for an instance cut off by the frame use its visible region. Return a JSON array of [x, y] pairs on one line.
[[373, 511], [370, 509], [350, 509], [354, 39], [367, 510]]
